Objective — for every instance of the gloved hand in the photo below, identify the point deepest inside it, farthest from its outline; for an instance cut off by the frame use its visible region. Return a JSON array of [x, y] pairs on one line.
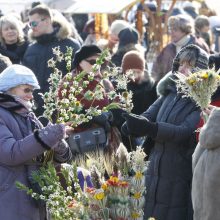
[[138, 125], [103, 120], [118, 119], [214, 61]]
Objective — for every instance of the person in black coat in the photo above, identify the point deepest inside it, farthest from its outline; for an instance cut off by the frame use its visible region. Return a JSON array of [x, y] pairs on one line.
[[143, 90], [171, 122], [128, 40], [142, 86], [12, 39], [49, 32]]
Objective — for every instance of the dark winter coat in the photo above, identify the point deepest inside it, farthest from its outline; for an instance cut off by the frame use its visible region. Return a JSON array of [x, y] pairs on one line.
[[38, 54], [206, 171], [18, 148], [164, 61], [169, 174], [118, 56], [15, 52], [143, 95]]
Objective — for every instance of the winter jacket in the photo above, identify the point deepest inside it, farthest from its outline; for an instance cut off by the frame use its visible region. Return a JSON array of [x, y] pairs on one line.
[[169, 174], [143, 95], [164, 61], [206, 171], [38, 54], [21, 152], [15, 52]]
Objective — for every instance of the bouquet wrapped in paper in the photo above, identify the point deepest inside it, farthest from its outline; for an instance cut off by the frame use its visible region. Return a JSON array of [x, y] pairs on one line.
[[199, 86]]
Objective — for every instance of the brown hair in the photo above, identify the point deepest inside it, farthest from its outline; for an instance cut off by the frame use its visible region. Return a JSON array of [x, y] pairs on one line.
[[41, 10], [201, 21]]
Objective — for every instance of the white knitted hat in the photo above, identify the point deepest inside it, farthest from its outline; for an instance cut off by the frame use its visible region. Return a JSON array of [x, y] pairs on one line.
[[117, 26], [16, 75]]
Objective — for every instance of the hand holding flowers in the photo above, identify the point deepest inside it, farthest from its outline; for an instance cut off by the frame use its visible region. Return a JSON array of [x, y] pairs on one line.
[[199, 86]]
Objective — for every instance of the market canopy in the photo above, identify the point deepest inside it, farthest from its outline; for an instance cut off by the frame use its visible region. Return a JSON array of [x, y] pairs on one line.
[[100, 6]]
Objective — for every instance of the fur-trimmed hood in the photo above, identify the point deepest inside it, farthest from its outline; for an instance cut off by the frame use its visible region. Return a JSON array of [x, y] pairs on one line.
[[209, 136], [166, 84]]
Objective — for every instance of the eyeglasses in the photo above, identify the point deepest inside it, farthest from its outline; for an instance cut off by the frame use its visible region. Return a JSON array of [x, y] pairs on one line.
[[28, 90], [33, 24], [92, 62]]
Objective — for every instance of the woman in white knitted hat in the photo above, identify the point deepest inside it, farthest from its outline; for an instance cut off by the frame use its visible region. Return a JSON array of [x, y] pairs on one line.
[[23, 141]]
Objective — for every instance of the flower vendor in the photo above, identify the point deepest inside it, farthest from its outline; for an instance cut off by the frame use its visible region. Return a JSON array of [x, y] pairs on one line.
[[92, 94]]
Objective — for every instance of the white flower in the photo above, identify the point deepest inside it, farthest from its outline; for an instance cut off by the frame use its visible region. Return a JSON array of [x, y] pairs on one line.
[[42, 197]]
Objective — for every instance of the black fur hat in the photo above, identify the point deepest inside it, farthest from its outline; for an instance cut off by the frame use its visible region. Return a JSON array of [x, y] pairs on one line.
[[201, 61], [85, 52]]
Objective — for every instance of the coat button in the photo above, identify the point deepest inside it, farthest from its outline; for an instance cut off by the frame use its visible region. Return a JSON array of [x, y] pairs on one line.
[[46, 132]]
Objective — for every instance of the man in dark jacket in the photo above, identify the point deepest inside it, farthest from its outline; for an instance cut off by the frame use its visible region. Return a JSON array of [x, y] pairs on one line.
[[47, 34]]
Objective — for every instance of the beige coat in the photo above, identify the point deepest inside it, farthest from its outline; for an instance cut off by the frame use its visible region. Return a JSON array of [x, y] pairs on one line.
[[206, 171]]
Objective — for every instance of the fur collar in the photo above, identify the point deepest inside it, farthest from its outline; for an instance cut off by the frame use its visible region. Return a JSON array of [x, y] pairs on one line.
[[166, 84]]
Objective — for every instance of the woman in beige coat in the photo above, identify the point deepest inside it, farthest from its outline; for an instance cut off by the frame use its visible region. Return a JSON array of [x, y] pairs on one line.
[[206, 171]]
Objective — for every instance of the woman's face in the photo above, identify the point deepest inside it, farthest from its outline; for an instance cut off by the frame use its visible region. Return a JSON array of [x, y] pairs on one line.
[[176, 34], [87, 64], [9, 33], [24, 92], [185, 68]]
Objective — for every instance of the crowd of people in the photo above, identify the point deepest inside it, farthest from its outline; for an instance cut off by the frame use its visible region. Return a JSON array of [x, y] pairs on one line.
[[162, 120]]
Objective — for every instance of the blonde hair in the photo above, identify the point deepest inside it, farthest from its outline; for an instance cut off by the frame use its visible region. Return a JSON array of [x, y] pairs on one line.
[[182, 22], [14, 22]]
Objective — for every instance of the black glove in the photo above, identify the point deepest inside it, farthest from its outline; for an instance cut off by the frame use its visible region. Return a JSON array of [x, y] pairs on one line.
[[138, 125], [118, 120], [214, 61], [103, 120]]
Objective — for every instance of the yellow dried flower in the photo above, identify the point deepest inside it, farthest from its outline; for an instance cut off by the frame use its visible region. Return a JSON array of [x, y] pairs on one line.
[[104, 186], [114, 179], [205, 75], [137, 195], [99, 196], [191, 81], [135, 215], [138, 175]]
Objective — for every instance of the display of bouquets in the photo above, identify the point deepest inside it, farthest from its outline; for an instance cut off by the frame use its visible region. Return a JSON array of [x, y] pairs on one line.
[[123, 187], [97, 204], [61, 202], [199, 86], [137, 188], [118, 198]]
